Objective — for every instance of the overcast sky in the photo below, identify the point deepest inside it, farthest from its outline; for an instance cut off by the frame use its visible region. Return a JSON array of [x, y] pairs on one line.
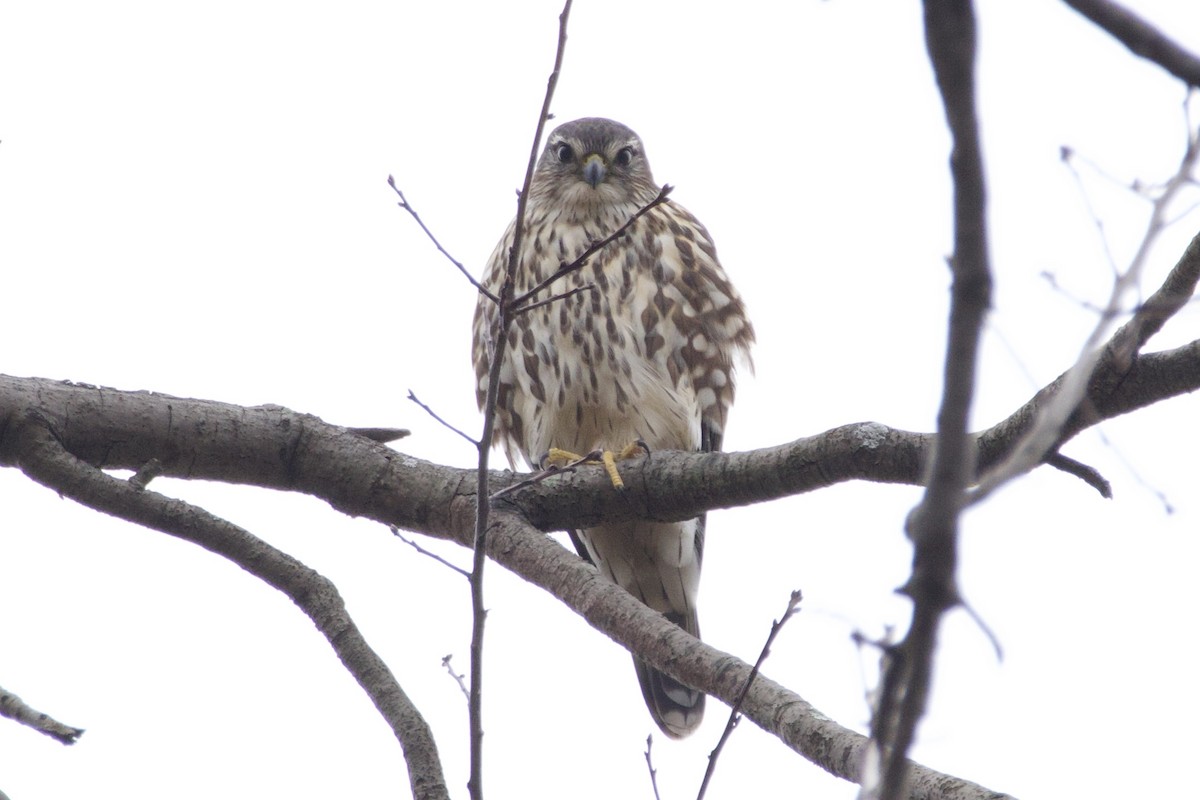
[[193, 201]]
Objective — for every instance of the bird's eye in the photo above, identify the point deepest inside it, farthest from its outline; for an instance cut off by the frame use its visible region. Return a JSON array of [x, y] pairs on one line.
[[565, 154], [624, 156]]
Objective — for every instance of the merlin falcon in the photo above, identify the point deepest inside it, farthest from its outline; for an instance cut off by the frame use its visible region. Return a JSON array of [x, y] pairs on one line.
[[645, 354]]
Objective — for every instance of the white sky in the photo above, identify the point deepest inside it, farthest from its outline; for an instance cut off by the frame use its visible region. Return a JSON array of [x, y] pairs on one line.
[[193, 201]]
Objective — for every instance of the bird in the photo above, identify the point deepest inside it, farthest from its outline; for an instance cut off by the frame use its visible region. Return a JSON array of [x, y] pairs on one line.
[[645, 350]]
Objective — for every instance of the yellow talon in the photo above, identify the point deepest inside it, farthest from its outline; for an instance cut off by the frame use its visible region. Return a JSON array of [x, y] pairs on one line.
[[610, 466], [563, 459]]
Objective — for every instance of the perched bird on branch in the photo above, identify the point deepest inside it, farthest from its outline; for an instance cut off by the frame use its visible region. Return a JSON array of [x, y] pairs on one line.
[[644, 351]]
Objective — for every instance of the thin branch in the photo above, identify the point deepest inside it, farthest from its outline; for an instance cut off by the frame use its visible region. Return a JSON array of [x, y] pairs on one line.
[[445, 424], [985, 629], [735, 712], [1187, 212], [429, 554], [554, 298], [14, 708], [1052, 280], [595, 247], [1159, 494], [533, 480], [1141, 37], [650, 766], [883, 645], [45, 460], [483, 493], [1088, 474], [458, 676], [933, 524], [413, 212], [1069, 157], [1137, 187]]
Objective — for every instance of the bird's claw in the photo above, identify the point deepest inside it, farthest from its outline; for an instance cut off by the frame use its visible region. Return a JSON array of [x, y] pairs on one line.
[[555, 458]]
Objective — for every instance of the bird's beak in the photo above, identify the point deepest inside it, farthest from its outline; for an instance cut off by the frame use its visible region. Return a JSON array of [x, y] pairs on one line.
[[594, 170]]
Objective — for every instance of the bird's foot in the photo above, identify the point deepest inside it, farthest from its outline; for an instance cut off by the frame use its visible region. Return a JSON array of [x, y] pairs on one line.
[[565, 459]]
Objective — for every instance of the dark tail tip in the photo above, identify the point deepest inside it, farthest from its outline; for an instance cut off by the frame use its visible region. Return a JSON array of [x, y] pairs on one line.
[[677, 709]]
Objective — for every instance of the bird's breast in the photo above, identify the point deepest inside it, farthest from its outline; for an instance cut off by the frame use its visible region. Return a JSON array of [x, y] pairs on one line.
[[588, 371]]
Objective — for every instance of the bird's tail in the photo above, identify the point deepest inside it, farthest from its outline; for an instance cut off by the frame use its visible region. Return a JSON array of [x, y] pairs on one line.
[[676, 709]]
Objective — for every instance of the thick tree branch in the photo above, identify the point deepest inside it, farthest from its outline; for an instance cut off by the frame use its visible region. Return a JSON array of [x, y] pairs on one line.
[[44, 459], [1141, 37], [273, 447]]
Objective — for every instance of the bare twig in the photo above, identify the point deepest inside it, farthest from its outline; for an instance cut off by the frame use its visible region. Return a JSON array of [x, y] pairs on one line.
[[1051, 279], [1159, 494], [445, 424], [883, 644], [459, 678], [650, 766], [554, 298], [735, 712], [594, 247], [413, 544], [1141, 37], [1089, 475], [1069, 157], [15, 709], [413, 212], [1138, 187], [533, 479], [483, 493], [985, 629]]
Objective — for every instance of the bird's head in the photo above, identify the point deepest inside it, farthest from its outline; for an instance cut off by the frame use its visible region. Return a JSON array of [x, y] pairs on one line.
[[593, 162]]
